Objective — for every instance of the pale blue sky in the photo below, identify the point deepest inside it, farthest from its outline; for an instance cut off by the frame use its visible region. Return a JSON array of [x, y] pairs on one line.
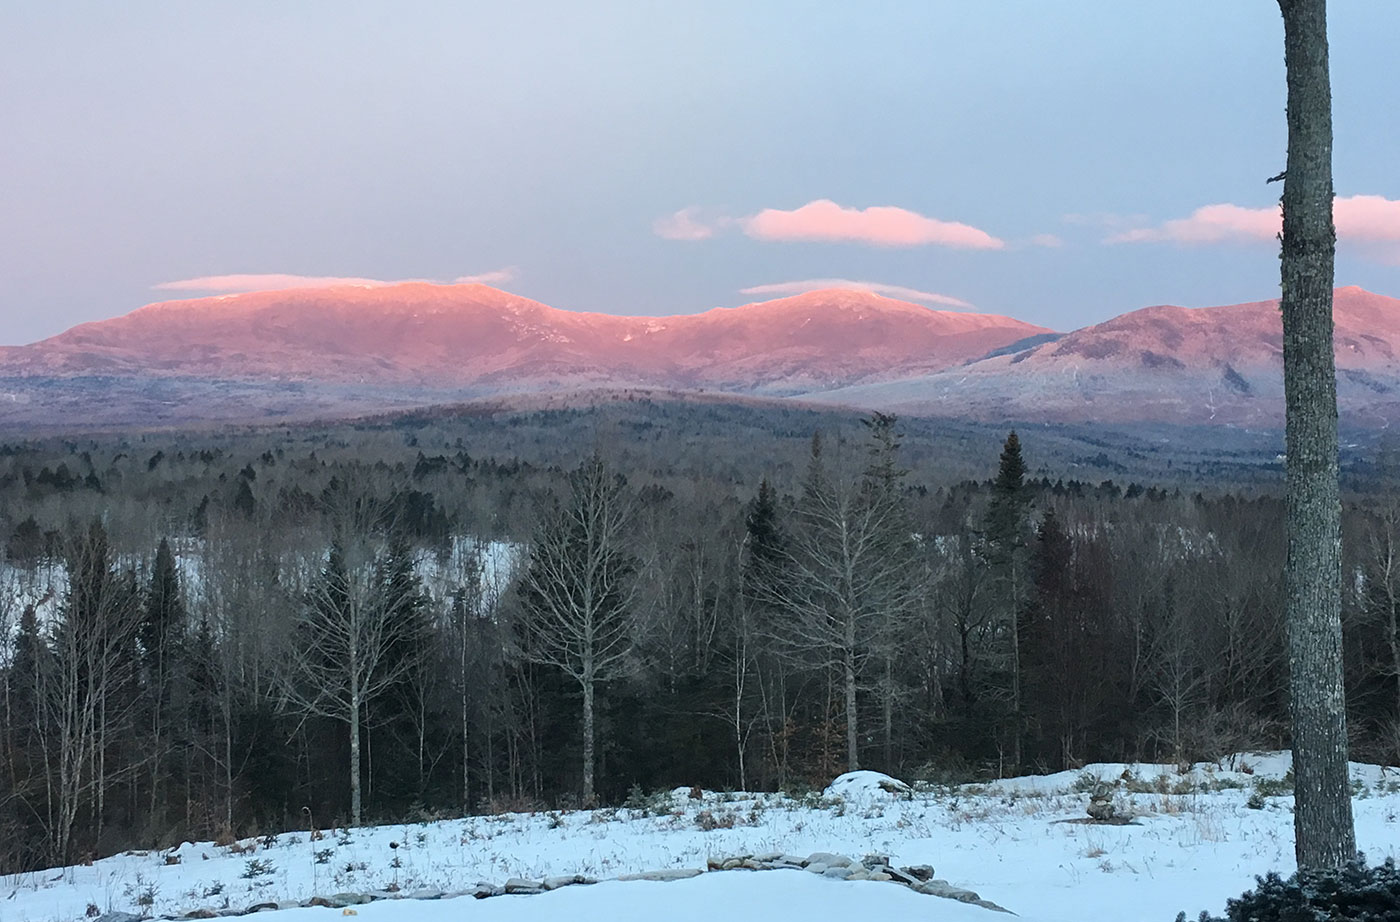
[[145, 143]]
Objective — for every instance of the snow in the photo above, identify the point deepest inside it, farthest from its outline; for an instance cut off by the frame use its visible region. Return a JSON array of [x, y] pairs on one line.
[[866, 786], [1194, 842]]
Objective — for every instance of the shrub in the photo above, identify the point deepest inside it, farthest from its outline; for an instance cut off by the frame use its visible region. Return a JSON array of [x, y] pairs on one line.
[[256, 867], [1275, 787], [1355, 892]]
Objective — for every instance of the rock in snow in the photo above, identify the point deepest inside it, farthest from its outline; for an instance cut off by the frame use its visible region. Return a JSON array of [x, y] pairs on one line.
[[867, 785]]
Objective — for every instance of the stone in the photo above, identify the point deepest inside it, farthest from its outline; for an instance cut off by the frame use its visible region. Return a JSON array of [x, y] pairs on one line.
[[664, 874], [769, 857], [829, 859], [200, 914], [988, 904], [840, 873], [1102, 810], [880, 875], [859, 874], [875, 861], [424, 894], [521, 885], [260, 907], [117, 917], [815, 867], [919, 871], [902, 876], [730, 864], [341, 900], [947, 891], [554, 883]]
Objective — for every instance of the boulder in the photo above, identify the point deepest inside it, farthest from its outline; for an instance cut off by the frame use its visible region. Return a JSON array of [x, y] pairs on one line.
[[521, 885], [1102, 810], [829, 859], [903, 877], [868, 785], [664, 874]]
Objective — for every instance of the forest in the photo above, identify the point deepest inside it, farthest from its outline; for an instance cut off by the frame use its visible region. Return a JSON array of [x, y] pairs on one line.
[[209, 636]]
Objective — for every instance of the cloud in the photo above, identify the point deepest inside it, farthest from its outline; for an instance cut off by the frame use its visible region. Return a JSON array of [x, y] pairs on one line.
[[1047, 240], [1224, 223], [684, 225], [894, 291], [1366, 219], [824, 220], [278, 281], [494, 277]]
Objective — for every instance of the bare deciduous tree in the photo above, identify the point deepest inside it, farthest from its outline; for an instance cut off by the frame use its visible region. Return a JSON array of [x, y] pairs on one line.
[[359, 630], [577, 614]]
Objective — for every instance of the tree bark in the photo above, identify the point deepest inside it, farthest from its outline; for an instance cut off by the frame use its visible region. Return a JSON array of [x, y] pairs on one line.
[[355, 803], [588, 794], [1325, 836]]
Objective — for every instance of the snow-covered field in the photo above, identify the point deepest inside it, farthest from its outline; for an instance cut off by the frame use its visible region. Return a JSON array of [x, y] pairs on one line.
[[1197, 838]]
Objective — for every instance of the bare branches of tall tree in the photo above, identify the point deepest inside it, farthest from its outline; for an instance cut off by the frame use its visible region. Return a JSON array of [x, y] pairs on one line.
[[577, 591]]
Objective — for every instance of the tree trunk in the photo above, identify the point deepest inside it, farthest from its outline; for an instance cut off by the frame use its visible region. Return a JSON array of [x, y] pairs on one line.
[[849, 664], [588, 796], [1325, 836], [355, 806]]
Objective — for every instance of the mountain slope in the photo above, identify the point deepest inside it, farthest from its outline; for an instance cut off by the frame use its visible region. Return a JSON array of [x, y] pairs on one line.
[[1165, 363], [428, 336]]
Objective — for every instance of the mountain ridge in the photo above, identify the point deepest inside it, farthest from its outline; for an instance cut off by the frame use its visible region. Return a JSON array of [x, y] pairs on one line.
[[373, 348]]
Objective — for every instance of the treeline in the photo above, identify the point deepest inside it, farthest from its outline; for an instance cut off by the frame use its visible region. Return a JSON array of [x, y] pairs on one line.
[[211, 643]]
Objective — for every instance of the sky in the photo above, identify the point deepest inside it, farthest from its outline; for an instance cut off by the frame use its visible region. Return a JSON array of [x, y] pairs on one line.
[[1058, 162]]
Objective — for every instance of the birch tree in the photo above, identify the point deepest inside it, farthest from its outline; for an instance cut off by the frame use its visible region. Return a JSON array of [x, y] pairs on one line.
[[359, 630], [577, 592]]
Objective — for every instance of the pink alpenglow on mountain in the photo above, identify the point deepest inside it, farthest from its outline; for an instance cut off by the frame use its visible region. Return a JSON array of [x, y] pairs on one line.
[[1166, 364], [473, 336]]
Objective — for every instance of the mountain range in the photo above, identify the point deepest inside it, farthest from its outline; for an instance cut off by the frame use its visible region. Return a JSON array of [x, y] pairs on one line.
[[349, 350]]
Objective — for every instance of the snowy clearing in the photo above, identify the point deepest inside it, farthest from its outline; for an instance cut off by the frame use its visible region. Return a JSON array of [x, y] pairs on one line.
[[1194, 839]]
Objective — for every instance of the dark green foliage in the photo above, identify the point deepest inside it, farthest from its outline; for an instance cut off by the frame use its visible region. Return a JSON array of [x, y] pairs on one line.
[[244, 503], [1006, 513], [1354, 892], [26, 544]]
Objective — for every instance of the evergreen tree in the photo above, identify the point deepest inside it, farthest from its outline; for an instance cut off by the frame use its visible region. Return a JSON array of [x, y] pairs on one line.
[[1004, 543], [162, 636]]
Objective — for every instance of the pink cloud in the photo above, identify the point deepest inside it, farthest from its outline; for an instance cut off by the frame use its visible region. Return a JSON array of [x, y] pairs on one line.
[[880, 288], [683, 225], [277, 281], [1209, 224], [824, 220], [1359, 218], [1369, 218]]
